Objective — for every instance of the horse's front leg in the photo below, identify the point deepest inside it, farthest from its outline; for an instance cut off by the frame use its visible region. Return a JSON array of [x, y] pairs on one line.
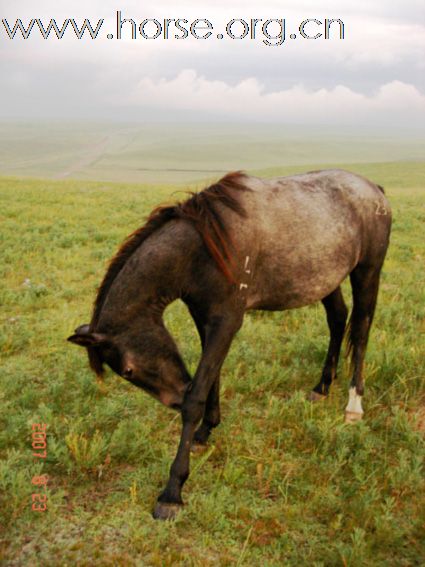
[[211, 417], [219, 334]]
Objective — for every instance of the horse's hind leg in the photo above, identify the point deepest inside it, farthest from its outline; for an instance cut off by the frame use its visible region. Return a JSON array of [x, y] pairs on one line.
[[365, 284], [336, 314]]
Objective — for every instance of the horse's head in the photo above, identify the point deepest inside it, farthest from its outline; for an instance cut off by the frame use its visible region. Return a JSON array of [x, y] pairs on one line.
[[147, 356]]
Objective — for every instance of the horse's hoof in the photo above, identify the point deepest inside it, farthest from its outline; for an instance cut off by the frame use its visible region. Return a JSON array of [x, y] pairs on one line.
[[316, 397], [352, 417], [166, 511], [198, 447]]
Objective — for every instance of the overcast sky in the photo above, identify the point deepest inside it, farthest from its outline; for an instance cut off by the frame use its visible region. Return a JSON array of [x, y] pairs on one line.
[[375, 76]]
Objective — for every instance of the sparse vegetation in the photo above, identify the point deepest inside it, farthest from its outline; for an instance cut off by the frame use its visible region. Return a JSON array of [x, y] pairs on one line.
[[283, 482]]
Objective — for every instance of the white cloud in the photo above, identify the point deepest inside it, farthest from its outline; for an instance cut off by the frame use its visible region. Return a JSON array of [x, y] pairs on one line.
[[395, 101], [375, 73]]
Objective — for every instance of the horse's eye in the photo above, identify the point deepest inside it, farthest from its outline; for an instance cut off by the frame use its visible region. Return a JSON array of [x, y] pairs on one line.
[[128, 373]]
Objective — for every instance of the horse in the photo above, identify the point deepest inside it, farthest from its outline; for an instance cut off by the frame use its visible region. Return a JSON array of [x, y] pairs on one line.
[[243, 243]]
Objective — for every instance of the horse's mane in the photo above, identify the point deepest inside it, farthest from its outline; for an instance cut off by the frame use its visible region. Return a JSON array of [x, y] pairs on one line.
[[200, 210]]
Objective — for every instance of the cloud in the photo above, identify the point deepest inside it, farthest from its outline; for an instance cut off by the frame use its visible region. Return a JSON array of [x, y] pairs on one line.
[[376, 73], [396, 101]]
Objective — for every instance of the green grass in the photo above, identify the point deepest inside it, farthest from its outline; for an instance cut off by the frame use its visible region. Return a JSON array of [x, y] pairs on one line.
[[283, 482], [183, 153]]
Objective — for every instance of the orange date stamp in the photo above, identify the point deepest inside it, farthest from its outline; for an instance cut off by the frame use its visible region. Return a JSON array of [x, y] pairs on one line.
[[39, 446]]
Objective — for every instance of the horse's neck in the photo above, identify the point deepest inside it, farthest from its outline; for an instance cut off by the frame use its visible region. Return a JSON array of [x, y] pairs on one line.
[[156, 274], [162, 266]]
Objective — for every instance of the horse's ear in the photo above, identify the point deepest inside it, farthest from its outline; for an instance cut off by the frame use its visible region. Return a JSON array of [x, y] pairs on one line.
[[82, 329], [83, 337]]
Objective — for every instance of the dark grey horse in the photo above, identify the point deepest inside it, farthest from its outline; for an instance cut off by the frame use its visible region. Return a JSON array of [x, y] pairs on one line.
[[243, 243]]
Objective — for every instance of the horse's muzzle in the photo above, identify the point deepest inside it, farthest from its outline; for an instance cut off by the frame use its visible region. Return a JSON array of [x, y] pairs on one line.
[[175, 399]]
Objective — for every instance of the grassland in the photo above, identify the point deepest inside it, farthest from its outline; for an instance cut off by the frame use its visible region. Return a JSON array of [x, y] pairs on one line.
[[176, 154], [283, 482]]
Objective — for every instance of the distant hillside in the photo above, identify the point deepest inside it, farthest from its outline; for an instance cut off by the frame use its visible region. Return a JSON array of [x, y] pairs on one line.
[[179, 153]]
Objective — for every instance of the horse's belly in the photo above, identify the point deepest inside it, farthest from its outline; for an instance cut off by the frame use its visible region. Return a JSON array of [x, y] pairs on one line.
[[292, 284], [291, 297]]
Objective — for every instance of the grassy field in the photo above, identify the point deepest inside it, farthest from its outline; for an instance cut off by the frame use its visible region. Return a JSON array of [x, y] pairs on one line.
[[181, 153], [283, 482]]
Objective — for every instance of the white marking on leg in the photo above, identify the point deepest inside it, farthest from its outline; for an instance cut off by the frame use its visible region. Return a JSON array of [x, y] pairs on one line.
[[354, 402]]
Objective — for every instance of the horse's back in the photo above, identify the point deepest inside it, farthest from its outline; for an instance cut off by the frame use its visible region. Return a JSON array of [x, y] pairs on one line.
[[305, 233], [315, 193]]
